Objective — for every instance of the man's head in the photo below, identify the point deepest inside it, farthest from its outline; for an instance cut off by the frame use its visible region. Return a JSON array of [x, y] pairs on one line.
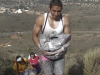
[[56, 3], [55, 8]]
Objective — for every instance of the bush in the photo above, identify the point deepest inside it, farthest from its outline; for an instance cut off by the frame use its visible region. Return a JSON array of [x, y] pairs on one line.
[[92, 62]]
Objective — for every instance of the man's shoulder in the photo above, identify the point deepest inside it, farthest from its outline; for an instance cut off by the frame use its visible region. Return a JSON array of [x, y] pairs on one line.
[[65, 15], [40, 17]]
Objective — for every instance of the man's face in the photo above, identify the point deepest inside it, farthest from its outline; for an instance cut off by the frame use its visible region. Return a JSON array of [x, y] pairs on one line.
[[56, 12]]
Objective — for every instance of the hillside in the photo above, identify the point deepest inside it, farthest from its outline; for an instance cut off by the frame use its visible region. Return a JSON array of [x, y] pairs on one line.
[[83, 17]]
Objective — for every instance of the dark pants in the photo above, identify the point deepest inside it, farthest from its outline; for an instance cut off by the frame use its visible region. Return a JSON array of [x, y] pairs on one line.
[[38, 69]]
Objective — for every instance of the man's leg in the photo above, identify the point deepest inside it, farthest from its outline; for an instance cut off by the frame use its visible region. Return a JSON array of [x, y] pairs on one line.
[[47, 66], [59, 66]]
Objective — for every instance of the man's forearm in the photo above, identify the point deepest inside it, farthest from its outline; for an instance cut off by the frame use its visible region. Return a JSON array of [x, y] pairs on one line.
[[36, 41], [68, 42]]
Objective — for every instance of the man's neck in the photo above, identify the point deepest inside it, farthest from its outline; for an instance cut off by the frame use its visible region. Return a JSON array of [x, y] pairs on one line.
[[58, 19]]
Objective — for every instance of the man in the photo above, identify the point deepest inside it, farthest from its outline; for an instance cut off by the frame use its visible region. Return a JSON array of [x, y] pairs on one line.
[[48, 23]]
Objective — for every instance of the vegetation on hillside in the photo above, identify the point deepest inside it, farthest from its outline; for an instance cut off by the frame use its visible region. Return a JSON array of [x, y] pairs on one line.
[[82, 57]]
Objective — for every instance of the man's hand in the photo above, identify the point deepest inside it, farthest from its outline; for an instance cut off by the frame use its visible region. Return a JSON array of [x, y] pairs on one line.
[[44, 52], [52, 53], [57, 51]]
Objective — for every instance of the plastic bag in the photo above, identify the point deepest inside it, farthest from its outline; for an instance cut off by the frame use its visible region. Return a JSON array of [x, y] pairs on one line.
[[52, 43]]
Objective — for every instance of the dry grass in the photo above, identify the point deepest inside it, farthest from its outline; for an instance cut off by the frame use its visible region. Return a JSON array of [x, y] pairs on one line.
[[92, 62]]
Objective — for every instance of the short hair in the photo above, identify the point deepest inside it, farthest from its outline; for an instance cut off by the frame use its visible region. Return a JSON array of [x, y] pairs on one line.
[[56, 3]]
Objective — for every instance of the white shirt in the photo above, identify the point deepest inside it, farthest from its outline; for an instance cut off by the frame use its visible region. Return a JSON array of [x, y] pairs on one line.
[[48, 30]]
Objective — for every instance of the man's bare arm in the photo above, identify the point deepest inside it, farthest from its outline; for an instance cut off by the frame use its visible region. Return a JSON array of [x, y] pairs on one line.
[[36, 30], [67, 29]]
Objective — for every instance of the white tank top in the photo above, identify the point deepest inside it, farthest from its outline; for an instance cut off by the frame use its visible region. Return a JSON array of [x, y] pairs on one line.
[[48, 30]]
